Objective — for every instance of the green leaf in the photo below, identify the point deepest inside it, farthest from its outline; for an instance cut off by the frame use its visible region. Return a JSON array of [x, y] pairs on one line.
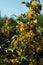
[[27, 4], [23, 2]]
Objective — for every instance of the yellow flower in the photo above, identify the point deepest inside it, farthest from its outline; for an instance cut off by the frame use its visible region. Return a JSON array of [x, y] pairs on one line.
[[32, 60], [15, 43], [20, 23], [34, 3], [39, 30], [28, 23], [22, 29], [19, 53], [31, 13], [21, 38], [32, 23], [31, 33], [30, 63], [7, 21], [17, 26], [6, 60], [14, 61], [20, 16], [29, 16], [21, 26], [42, 39], [38, 49], [8, 28]]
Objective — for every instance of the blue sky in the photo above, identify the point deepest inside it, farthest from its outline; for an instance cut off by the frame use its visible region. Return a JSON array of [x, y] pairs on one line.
[[9, 7]]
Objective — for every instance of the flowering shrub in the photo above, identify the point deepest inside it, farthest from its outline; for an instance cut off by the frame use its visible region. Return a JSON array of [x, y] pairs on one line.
[[26, 45], [7, 28]]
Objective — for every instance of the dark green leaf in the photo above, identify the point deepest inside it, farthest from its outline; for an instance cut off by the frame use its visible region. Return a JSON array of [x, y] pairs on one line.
[[27, 4], [23, 2]]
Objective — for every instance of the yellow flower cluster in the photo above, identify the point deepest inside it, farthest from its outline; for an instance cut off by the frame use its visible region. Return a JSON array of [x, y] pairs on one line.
[[34, 3], [34, 10], [39, 29], [6, 29], [31, 14], [14, 61], [32, 24], [28, 35], [7, 21], [21, 26]]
